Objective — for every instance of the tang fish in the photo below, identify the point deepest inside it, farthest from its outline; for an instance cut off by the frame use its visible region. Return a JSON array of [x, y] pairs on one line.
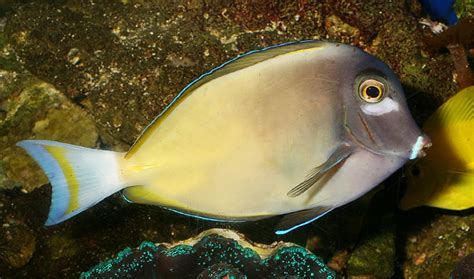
[[445, 177], [296, 129]]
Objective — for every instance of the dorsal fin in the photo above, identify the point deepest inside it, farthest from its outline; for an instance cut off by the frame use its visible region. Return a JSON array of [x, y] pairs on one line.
[[458, 109], [240, 62], [248, 59]]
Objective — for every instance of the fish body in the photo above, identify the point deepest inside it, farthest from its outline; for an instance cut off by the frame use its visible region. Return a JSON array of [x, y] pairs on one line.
[[445, 177], [299, 128]]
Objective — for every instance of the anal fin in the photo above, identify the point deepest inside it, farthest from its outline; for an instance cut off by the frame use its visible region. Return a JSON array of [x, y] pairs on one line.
[[298, 219]]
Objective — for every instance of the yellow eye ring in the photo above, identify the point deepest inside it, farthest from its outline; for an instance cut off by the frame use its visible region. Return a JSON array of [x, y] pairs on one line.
[[371, 91]]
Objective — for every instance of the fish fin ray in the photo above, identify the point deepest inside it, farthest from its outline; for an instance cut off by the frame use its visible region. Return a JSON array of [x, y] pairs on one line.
[[458, 109], [80, 177], [341, 153], [298, 219], [454, 191]]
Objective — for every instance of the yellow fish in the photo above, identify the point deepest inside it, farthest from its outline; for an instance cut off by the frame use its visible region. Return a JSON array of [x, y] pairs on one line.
[[445, 177], [296, 129]]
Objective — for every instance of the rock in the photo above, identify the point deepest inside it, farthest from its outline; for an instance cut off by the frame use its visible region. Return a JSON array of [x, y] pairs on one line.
[[62, 246], [375, 256], [31, 108], [436, 244], [39, 111], [464, 268], [17, 243], [464, 9], [337, 28]]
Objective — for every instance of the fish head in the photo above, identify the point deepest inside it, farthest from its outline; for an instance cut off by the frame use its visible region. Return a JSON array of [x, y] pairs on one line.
[[376, 115]]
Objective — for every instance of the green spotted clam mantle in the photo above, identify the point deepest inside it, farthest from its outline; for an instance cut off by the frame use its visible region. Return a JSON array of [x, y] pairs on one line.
[[215, 253]]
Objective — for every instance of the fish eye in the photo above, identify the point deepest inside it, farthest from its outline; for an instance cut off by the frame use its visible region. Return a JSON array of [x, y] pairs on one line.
[[371, 91]]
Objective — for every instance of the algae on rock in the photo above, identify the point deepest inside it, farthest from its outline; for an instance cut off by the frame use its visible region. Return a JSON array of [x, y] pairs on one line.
[[31, 108], [375, 256], [39, 111], [435, 246]]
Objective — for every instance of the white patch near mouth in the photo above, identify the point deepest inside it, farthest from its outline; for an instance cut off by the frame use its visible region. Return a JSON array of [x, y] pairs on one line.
[[417, 147], [386, 106]]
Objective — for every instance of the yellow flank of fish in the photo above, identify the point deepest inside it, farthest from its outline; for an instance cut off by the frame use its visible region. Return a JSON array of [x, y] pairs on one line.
[[445, 177], [58, 153]]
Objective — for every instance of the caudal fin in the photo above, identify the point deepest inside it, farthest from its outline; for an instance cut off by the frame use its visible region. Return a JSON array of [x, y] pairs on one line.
[[80, 177]]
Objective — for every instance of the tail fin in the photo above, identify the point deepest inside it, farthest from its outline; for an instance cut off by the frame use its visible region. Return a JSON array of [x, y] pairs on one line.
[[80, 177]]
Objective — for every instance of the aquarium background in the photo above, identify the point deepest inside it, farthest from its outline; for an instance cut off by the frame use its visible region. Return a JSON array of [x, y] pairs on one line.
[[95, 73]]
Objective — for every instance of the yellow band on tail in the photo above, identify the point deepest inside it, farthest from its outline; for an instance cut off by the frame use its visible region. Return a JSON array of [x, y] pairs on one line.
[[80, 177], [58, 153]]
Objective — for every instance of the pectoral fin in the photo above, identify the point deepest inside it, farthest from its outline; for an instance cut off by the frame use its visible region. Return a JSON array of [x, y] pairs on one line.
[[297, 219], [337, 157]]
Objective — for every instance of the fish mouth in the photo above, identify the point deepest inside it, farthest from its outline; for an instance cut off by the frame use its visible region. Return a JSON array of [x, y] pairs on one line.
[[422, 143], [418, 150]]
